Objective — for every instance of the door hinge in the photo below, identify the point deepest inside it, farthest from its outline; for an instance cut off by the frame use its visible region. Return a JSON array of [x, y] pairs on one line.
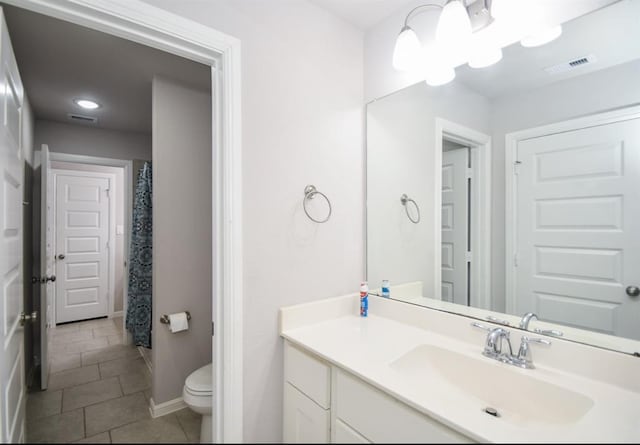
[[108, 192], [515, 260], [516, 167], [468, 257], [212, 329], [468, 173]]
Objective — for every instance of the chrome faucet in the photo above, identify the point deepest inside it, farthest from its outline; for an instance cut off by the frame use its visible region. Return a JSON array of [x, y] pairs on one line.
[[493, 344], [526, 319], [496, 337]]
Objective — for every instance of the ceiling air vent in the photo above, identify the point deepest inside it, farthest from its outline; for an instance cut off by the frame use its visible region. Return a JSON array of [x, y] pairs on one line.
[[81, 118], [571, 64]]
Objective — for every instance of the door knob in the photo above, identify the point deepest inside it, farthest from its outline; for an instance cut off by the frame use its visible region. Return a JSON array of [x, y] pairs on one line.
[[52, 278], [633, 291], [61, 256], [26, 317]]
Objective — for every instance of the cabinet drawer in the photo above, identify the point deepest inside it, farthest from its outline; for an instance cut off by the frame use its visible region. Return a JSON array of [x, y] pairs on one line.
[[310, 375], [381, 418], [346, 434], [304, 421]]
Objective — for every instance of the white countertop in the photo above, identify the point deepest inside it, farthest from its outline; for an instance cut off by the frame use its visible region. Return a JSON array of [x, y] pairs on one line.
[[366, 347]]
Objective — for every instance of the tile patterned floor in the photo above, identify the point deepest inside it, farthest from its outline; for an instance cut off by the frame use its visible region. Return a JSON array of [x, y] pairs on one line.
[[99, 392]]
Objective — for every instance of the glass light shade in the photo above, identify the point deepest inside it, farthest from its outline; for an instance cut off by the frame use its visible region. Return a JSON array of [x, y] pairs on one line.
[[541, 37], [436, 69], [407, 51], [484, 57], [453, 32]]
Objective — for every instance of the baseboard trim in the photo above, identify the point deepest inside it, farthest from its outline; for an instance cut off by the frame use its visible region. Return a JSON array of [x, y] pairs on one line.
[[162, 409]]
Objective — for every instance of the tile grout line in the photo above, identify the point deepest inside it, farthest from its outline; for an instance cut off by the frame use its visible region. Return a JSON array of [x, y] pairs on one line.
[[127, 423], [184, 431], [84, 421]]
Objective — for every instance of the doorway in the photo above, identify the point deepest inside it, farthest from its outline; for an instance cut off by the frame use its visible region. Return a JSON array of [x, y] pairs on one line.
[[463, 227], [458, 208], [152, 26]]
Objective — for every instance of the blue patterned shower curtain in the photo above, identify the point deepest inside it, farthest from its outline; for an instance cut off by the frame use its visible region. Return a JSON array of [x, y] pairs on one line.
[[139, 309]]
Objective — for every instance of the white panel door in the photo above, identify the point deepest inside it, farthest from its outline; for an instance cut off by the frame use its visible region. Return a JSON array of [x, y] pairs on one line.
[[455, 222], [12, 383], [46, 260], [578, 236], [82, 237]]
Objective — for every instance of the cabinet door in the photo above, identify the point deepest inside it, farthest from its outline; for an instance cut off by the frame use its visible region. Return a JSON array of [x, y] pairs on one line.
[[304, 420], [346, 434]]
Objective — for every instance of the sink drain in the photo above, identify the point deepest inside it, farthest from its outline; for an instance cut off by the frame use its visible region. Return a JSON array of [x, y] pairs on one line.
[[491, 411]]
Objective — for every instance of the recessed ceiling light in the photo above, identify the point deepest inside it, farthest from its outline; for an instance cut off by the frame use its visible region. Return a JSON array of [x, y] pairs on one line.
[[87, 104]]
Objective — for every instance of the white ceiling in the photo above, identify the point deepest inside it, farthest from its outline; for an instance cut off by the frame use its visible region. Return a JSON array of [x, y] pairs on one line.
[[59, 61], [364, 13]]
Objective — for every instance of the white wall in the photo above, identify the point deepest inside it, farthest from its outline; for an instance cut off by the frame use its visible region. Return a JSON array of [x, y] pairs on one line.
[[92, 141], [182, 209], [400, 150], [302, 124]]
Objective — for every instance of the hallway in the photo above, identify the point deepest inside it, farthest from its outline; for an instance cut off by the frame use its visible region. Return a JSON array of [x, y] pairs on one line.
[[99, 392]]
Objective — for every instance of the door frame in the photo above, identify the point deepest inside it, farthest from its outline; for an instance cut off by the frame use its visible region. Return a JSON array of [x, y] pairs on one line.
[[511, 205], [481, 260], [55, 172], [151, 26]]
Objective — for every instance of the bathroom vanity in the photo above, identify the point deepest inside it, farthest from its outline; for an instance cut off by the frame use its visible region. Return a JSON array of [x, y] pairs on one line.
[[413, 374]]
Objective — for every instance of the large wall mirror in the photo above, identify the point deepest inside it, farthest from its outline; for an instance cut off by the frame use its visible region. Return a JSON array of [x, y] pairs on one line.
[[515, 189]]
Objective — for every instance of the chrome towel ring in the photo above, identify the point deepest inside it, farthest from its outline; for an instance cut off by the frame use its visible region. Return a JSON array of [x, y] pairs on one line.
[[404, 199], [309, 193]]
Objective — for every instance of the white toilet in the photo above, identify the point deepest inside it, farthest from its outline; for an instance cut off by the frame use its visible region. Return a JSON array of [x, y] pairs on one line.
[[198, 395]]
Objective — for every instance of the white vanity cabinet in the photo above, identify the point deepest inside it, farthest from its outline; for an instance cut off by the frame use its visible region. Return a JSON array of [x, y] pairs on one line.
[[323, 403], [307, 397]]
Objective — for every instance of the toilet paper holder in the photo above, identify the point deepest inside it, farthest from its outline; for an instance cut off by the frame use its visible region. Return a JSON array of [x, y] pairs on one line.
[[165, 318]]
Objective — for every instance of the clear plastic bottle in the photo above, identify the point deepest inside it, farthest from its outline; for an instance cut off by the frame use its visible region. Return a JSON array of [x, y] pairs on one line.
[[364, 299]]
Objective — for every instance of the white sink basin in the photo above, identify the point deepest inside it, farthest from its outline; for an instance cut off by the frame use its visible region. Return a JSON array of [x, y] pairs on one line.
[[517, 394]]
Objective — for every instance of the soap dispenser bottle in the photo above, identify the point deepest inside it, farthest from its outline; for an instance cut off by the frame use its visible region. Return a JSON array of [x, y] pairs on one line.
[[385, 289]]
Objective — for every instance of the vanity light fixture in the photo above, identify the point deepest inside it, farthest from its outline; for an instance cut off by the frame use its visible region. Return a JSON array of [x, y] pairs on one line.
[[86, 104], [457, 37], [542, 37]]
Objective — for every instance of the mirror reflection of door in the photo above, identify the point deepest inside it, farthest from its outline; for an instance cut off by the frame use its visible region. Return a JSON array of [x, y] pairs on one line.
[[456, 239]]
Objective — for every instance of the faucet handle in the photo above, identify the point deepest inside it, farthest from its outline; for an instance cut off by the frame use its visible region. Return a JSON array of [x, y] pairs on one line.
[[481, 326], [497, 320], [524, 353], [526, 339], [548, 332]]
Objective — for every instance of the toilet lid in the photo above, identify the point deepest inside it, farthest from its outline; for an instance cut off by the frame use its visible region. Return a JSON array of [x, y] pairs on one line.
[[200, 380]]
